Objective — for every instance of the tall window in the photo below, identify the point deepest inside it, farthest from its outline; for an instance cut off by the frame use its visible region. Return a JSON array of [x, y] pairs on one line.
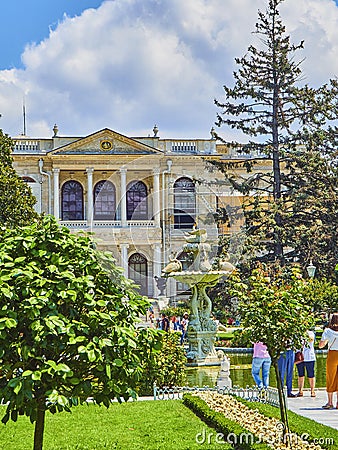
[[72, 201], [184, 203], [137, 203], [138, 271], [104, 201]]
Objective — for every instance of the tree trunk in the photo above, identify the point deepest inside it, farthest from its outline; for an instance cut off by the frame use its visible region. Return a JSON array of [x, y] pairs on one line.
[[277, 185], [39, 424], [282, 406]]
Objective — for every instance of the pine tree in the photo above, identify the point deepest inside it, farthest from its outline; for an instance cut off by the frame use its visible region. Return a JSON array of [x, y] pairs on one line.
[[288, 127], [16, 199]]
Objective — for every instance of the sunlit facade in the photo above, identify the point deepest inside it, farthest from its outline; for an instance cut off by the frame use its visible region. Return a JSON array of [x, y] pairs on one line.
[[138, 195]]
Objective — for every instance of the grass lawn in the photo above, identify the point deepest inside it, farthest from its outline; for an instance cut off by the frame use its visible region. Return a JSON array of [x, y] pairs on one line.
[[165, 424]]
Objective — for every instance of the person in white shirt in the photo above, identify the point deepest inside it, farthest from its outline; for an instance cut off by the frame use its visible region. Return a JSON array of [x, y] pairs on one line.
[[330, 337], [308, 364]]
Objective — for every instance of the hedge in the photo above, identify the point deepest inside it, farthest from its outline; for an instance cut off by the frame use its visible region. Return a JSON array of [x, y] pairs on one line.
[[221, 423]]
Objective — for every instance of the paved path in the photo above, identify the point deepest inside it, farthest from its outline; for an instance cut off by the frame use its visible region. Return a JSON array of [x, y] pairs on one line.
[[312, 408]]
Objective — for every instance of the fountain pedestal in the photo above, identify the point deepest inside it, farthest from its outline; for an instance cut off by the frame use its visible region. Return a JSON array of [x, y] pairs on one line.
[[201, 331], [201, 348]]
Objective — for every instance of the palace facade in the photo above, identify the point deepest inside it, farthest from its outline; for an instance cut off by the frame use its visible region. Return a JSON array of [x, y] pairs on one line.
[[138, 195]]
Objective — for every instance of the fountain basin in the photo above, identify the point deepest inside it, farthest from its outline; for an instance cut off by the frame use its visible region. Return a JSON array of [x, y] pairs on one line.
[[196, 277]]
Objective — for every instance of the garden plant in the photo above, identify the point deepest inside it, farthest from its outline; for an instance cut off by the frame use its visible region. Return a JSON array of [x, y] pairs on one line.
[[67, 325], [275, 312]]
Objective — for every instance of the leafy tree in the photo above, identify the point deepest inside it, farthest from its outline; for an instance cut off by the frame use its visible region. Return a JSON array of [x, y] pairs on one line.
[[225, 295], [276, 313], [290, 207], [322, 295], [16, 198], [167, 368], [67, 324]]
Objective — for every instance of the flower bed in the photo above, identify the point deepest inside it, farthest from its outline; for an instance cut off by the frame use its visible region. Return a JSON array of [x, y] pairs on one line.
[[242, 425]]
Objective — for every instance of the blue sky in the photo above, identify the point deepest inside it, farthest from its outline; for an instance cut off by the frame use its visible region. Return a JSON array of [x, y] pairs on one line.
[[128, 64], [26, 21]]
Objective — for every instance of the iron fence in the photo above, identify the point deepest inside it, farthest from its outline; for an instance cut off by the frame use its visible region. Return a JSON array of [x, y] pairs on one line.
[[254, 394]]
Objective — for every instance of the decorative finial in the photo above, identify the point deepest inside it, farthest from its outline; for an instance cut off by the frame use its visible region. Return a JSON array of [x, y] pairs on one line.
[[213, 133], [56, 130], [155, 130]]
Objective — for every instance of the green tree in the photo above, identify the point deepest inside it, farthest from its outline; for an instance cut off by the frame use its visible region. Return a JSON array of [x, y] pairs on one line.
[[167, 368], [67, 324], [275, 312], [322, 295], [16, 198], [289, 129]]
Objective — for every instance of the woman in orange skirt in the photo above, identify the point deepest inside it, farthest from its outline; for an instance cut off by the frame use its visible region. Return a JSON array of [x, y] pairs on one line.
[[330, 337]]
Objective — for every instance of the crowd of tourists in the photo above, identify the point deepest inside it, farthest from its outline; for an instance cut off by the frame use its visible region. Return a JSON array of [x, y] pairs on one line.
[[304, 359], [174, 323]]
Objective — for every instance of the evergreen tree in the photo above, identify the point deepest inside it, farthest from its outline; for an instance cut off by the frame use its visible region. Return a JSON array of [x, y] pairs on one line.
[[291, 207], [16, 198]]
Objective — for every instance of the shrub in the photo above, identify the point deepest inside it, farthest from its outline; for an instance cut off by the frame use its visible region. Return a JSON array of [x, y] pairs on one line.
[[218, 421], [167, 367]]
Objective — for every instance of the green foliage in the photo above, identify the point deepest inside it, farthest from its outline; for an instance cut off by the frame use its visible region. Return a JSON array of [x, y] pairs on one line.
[[16, 198], [167, 367], [225, 297], [177, 311], [219, 421], [67, 323], [276, 314], [289, 204], [275, 311], [322, 295], [241, 340]]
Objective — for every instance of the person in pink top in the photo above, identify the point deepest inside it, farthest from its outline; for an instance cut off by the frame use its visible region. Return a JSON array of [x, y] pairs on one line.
[[261, 361]]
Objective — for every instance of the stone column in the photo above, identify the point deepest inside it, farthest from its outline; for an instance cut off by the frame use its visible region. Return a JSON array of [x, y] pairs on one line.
[[156, 266], [124, 258], [123, 196], [56, 173], [90, 194], [156, 197]]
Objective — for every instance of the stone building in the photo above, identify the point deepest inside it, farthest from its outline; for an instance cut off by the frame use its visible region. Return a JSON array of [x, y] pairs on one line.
[[138, 195]]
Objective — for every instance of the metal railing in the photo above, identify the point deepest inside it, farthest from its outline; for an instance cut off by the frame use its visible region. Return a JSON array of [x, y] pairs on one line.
[[107, 223], [252, 394]]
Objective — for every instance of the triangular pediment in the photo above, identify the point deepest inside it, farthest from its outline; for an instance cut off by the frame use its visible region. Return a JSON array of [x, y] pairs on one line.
[[105, 142]]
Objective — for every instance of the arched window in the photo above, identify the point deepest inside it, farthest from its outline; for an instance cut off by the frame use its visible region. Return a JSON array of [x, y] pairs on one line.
[[72, 201], [137, 203], [28, 179], [138, 271], [184, 203], [104, 201]]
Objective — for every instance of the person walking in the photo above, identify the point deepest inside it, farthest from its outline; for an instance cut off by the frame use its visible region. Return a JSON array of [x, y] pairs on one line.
[[309, 364], [165, 324], [285, 367], [261, 361], [330, 337], [184, 327]]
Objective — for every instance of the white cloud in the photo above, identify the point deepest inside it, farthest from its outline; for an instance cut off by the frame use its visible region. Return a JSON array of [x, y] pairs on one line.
[[130, 64]]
